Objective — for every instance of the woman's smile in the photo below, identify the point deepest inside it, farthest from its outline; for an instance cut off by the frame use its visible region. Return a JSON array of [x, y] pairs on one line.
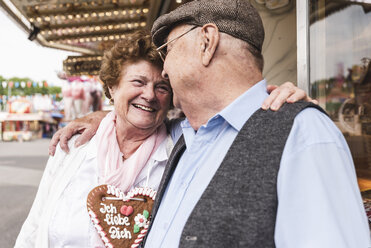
[[144, 108], [142, 97]]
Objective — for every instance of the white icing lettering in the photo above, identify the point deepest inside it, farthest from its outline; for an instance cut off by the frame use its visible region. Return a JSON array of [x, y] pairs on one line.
[[116, 233], [117, 220], [108, 209]]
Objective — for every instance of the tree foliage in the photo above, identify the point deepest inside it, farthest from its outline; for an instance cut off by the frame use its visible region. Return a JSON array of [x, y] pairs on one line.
[[26, 91]]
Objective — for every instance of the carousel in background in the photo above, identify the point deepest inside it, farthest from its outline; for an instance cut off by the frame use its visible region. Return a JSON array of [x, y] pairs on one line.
[[85, 27], [25, 116], [31, 110], [81, 95]]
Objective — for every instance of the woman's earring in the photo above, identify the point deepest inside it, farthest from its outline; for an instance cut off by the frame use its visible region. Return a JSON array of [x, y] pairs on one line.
[[111, 101]]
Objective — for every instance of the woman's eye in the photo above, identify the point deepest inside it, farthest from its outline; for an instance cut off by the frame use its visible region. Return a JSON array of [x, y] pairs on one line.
[[163, 89], [138, 82]]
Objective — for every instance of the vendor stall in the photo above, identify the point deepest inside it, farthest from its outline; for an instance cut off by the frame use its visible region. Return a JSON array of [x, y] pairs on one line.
[[24, 127]]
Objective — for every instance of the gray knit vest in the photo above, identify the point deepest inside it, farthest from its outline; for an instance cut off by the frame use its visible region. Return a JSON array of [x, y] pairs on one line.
[[239, 206]]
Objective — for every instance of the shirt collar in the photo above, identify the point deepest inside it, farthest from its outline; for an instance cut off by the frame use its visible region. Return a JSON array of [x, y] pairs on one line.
[[160, 154], [240, 110]]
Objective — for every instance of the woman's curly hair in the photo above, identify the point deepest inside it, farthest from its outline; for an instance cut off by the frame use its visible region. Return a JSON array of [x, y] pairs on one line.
[[138, 47]]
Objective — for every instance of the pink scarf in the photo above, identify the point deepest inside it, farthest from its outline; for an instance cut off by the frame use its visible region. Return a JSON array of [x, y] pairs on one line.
[[112, 169]]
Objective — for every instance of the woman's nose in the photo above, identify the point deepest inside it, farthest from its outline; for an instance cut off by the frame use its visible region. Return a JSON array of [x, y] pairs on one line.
[[148, 93]]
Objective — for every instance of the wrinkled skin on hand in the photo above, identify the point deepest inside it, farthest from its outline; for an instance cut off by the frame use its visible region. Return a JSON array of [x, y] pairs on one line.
[[286, 92], [88, 125]]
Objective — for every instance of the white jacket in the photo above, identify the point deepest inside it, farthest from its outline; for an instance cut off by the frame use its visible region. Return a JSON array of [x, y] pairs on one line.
[[60, 173]]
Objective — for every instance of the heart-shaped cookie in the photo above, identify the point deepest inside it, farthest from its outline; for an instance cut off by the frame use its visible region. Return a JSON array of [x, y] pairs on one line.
[[121, 220]]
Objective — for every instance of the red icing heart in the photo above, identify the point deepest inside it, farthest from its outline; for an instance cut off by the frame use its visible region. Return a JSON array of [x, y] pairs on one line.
[[126, 210], [114, 219]]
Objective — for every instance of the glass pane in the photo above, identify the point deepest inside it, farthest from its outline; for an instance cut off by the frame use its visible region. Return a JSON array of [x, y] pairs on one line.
[[340, 73]]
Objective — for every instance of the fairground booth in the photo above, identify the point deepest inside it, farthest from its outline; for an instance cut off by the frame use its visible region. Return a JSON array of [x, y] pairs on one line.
[[20, 124], [323, 45]]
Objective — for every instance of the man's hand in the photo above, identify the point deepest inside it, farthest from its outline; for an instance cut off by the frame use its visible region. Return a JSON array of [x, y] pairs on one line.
[[286, 92], [86, 125]]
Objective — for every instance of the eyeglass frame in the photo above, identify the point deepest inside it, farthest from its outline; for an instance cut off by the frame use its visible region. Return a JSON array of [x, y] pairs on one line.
[[163, 54]]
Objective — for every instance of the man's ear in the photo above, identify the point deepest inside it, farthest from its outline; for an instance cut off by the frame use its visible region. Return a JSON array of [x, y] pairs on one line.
[[209, 42]]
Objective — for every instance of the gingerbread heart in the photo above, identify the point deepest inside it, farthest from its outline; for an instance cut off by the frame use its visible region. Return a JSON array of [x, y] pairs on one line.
[[121, 220]]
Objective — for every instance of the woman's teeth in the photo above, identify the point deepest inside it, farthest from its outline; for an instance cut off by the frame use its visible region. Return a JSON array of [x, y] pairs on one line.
[[144, 107]]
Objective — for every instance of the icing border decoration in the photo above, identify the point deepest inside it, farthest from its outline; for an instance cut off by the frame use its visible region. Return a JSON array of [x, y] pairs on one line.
[[112, 190]]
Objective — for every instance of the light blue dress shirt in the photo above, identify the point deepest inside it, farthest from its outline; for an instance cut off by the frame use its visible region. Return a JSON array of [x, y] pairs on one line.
[[319, 199]]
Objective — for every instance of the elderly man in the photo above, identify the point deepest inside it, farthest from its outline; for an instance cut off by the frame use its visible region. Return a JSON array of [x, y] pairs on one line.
[[246, 178], [241, 176]]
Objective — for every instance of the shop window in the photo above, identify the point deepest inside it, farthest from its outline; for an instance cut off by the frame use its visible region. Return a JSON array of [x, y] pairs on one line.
[[340, 74]]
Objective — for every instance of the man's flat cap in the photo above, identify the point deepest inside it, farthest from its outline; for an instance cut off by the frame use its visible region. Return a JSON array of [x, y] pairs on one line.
[[237, 18]]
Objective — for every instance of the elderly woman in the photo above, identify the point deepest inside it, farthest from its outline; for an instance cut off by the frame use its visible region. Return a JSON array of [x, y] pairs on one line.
[[129, 149]]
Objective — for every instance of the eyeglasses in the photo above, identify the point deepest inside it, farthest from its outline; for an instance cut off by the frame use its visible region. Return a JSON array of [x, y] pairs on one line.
[[162, 49]]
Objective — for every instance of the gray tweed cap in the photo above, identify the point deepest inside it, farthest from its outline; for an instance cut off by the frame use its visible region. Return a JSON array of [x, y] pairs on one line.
[[237, 18]]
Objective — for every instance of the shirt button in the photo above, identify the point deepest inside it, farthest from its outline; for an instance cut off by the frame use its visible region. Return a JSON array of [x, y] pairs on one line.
[[191, 238]]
